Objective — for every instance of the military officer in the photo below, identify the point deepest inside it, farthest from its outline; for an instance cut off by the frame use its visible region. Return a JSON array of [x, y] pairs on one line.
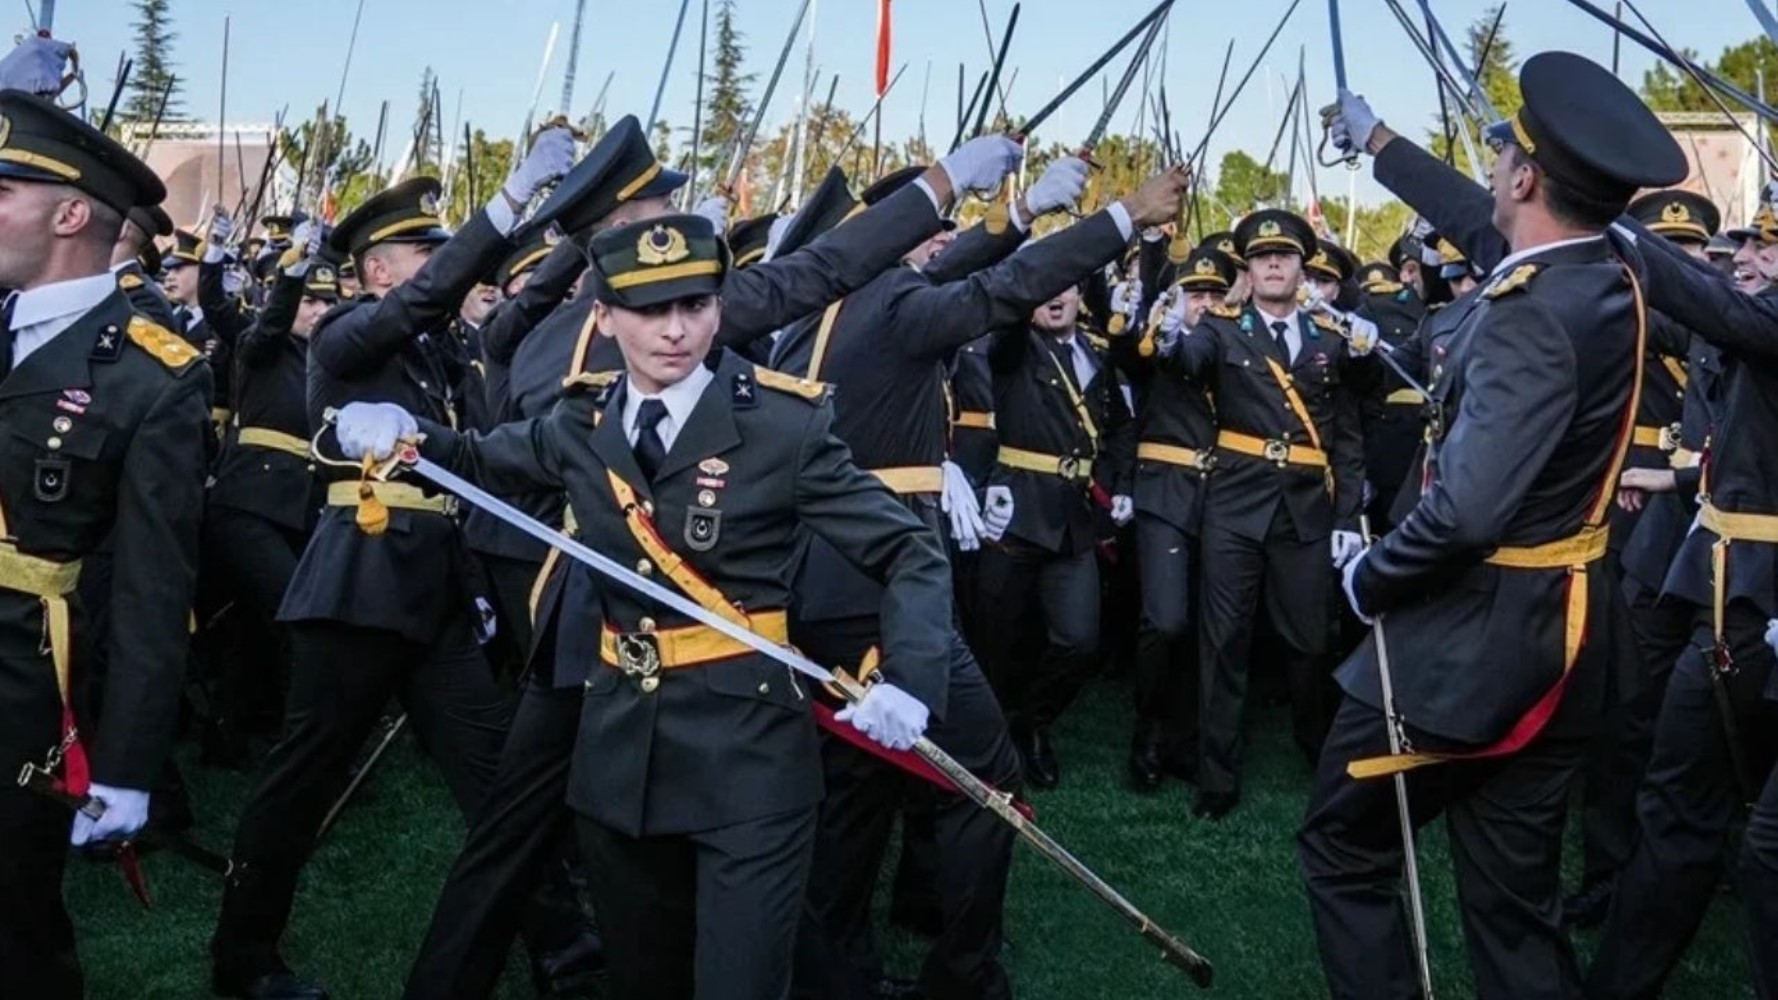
[[1286, 490], [1393, 423], [1493, 584], [1065, 462], [1175, 433], [619, 183], [134, 246], [696, 776], [376, 606], [104, 413]]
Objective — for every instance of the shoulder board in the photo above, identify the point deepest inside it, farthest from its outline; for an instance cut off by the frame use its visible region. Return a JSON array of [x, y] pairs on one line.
[[592, 380], [129, 282], [1098, 342], [166, 347], [808, 389], [1519, 278], [1324, 322], [1225, 312]]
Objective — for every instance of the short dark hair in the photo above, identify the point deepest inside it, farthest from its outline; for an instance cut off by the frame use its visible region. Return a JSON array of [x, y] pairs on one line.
[[1566, 203]]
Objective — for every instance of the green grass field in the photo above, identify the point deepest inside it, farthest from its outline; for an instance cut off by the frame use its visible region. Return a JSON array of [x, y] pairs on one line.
[[1229, 889]]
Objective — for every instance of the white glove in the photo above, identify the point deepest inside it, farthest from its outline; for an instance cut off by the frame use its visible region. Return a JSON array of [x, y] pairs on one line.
[[1346, 546], [550, 157], [1126, 298], [1772, 634], [714, 208], [35, 65], [372, 429], [1061, 186], [1361, 335], [997, 514], [982, 163], [221, 228], [1172, 323], [126, 812], [233, 280], [888, 715], [307, 235], [959, 502], [1122, 509], [1347, 575], [1351, 128]]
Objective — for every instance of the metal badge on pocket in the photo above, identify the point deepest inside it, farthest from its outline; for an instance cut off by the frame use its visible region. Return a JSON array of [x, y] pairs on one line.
[[50, 481], [703, 526]]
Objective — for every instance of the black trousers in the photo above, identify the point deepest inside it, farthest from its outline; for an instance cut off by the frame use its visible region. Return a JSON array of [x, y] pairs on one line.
[[255, 559], [710, 915], [1166, 647], [1017, 583], [1294, 578], [1685, 806], [836, 951], [342, 677], [1616, 763], [1504, 818], [521, 829], [1759, 888]]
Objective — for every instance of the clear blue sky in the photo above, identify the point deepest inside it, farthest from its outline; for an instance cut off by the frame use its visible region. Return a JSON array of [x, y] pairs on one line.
[[293, 51]]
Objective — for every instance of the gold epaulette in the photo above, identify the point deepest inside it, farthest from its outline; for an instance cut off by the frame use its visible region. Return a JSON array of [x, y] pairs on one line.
[[167, 347], [593, 380], [1519, 278], [808, 389], [1325, 322], [1098, 342], [129, 282], [1225, 312]]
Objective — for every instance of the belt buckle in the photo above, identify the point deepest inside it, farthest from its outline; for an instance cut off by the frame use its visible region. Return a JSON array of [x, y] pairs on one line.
[[1068, 467], [1204, 460], [638, 654], [1278, 453], [1670, 438]]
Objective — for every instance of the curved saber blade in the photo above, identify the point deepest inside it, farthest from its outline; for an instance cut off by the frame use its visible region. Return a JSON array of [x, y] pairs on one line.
[[738, 160], [1173, 950]]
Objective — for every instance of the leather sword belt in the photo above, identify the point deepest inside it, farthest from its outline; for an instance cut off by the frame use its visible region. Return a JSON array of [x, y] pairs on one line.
[[644, 653], [35, 575], [1190, 458], [1279, 453], [1665, 438], [979, 419], [1585, 546], [1073, 468], [911, 479], [265, 437], [1405, 397], [395, 496]]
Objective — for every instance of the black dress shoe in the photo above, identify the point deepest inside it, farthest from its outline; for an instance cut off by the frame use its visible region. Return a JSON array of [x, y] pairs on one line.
[[1034, 752], [1588, 907], [1215, 805], [279, 985], [891, 988], [1145, 759], [570, 971]]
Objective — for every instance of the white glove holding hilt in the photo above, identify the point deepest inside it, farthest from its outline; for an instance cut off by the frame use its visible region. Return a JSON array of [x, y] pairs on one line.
[[1126, 298], [1350, 127], [1345, 546], [888, 715], [714, 208], [125, 814], [960, 505], [551, 156], [1362, 335], [372, 429], [36, 65], [1062, 184], [216, 237], [982, 163]]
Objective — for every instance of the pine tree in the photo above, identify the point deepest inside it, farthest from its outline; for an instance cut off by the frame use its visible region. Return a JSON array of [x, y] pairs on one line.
[[726, 107], [153, 68], [1490, 48]]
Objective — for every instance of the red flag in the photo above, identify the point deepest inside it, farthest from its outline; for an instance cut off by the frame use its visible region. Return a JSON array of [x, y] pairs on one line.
[[883, 41]]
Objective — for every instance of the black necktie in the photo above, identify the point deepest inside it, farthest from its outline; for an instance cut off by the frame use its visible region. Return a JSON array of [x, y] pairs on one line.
[[1279, 329], [1064, 352], [6, 335], [650, 451]]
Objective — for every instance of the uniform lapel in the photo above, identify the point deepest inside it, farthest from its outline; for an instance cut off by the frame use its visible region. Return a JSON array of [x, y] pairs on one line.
[[612, 445], [710, 430], [1261, 338]]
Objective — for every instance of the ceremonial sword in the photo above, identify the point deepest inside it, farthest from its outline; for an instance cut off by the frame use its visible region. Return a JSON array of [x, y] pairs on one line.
[[1350, 159], [738, 161], [1000, 804]]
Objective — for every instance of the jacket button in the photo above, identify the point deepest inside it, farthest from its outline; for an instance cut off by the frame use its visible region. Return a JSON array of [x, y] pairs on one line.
[[649, 684], [765, 688]]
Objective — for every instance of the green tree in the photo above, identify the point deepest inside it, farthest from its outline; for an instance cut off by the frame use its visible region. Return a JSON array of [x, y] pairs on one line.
[[152, 72], [331, 163], [726, 106], [1745, 65], [1243, 183], [1491, 49], [479, 171]]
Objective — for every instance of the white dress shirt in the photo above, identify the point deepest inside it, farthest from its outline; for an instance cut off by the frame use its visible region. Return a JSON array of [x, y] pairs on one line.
[[1079, 356], [1293, 331], [680, 398], [41, 313]]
